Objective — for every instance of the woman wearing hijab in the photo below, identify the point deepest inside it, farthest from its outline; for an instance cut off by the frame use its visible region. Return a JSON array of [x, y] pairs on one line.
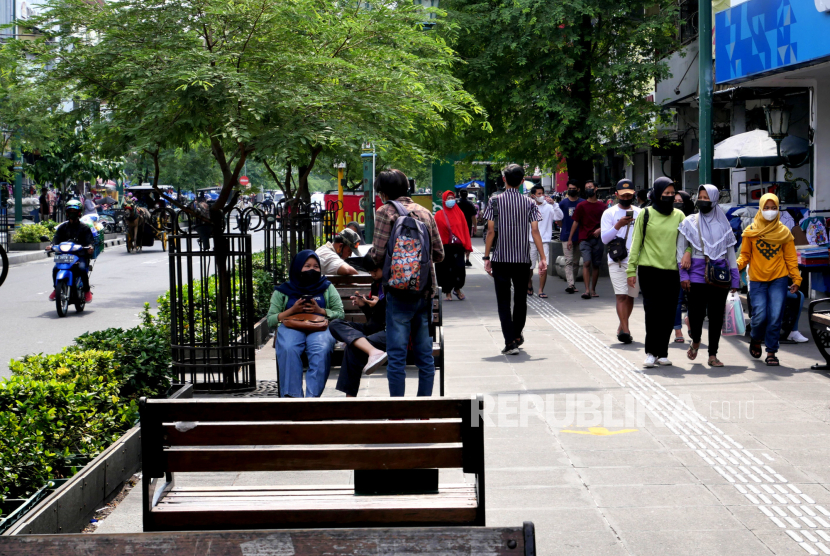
[[683, 202], [306, 291], [455, 235], [654, 258], [706, 235], [769, 250]]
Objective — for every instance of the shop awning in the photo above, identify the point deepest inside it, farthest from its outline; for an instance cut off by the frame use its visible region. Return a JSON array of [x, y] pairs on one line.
[[752, 149], [474, 183]]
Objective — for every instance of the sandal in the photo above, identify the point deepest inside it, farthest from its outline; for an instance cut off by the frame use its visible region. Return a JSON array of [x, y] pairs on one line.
[[679, 340], [771, 360], [543, 295], [586, 296], [570, 289], [530, 292], [755, 349], [714, 362], [459, 295], [692, 353]]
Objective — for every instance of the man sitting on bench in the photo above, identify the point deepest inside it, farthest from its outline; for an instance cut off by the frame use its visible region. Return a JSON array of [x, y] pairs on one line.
[[365, 343]]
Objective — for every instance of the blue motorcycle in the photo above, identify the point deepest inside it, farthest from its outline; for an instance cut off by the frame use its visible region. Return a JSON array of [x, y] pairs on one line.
[[69, 285]]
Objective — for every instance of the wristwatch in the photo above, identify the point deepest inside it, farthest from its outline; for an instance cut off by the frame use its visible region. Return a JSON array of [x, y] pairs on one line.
[[485, 258]]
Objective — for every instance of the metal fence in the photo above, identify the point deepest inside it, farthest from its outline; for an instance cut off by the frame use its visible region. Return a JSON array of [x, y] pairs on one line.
[[6, 226], [212, 312]]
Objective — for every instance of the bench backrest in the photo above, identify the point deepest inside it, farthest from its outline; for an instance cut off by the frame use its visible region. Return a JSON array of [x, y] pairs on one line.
[[203, 435]]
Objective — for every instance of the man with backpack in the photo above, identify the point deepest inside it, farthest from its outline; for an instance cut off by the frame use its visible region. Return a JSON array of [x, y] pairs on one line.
[[406, 243]]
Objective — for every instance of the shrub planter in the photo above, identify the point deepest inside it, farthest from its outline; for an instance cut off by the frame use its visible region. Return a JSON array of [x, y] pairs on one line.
[[68, 507], [29, 246]]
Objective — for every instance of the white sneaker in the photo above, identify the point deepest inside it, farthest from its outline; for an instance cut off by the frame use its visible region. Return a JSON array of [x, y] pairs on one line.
[[374, 362], [796, 336], [650, 361], [664, 361]]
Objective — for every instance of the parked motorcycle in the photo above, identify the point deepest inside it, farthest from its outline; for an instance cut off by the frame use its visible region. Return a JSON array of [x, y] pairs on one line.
[[69, 286]]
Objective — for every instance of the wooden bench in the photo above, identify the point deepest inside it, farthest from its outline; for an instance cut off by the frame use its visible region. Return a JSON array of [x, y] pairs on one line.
[[490, 541], [820, 328], [374, 437]]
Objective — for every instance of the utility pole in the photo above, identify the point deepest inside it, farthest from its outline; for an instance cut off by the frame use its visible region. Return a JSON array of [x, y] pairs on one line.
[[368, 158], [707, 87], [341, 217], [18, 183]]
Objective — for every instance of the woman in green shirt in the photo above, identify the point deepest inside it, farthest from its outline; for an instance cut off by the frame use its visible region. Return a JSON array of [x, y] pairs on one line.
[[306, 291], [654, 259]]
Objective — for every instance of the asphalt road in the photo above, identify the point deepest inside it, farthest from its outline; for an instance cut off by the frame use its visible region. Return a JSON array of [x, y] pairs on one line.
[[121, 282]]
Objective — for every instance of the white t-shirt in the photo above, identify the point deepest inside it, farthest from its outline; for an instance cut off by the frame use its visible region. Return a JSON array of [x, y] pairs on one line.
[[546, 223], [607, 232], [330, 261]]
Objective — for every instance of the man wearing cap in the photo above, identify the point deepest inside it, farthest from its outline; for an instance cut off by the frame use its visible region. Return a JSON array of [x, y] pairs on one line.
[[616, 223], [333, 254]]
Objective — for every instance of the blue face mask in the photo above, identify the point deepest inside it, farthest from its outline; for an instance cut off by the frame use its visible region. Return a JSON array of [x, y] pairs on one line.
[[450, 203]]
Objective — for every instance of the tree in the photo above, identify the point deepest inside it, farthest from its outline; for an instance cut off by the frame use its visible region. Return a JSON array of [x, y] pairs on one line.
[[562, 78]]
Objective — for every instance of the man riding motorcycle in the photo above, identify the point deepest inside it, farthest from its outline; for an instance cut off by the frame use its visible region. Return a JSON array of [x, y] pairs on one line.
[[79, 233]]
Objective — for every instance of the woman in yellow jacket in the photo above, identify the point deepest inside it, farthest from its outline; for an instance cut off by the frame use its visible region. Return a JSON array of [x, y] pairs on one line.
[[769, 250]]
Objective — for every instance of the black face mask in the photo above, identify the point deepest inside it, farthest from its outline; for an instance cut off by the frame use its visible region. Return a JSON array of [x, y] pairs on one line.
[[704, 206], [309, 278], [590, 192], [625, 203], [678, 206], [664, 205], [573, 192]]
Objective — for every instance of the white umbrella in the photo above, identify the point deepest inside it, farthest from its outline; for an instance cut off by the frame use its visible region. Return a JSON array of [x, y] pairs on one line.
[[753, 149]]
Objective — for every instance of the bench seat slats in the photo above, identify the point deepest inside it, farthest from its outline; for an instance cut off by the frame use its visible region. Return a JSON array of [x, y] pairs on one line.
[[383, 432], [285, 409], [291, 459], [821, 318]]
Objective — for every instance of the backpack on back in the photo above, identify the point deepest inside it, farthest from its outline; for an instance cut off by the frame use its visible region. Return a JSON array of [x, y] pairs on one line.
[[406, 269]]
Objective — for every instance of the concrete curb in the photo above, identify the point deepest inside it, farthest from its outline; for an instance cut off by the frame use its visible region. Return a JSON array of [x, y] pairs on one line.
[[20, 257]]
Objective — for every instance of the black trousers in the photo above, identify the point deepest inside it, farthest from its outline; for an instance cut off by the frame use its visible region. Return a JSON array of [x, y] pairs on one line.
[[452, 271], [661, 289], [707, 300], [351, 370], [517, 274]]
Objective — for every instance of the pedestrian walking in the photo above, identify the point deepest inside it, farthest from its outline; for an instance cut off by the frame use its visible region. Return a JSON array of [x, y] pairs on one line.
[[89, 205], [568, 206], [682, 202], [550, 213], [768, 249], [706, 242], [617, 234], [654, 260], [511, 217], [470, 213], [455, 236], [588, 217], [408, 314], [45, 208]]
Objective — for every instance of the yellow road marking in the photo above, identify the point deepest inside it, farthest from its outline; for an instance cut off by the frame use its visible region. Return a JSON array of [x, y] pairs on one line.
[[600, 431]]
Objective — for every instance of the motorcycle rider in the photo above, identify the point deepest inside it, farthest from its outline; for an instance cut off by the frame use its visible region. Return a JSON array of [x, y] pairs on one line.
[[78, 233]]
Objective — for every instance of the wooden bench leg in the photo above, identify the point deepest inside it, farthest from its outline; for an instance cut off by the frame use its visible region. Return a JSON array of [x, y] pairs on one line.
[[820, 330], [441, 358]]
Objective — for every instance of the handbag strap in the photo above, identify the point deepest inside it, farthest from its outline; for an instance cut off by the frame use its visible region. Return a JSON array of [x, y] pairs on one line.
[[700, 236], [447, 220]]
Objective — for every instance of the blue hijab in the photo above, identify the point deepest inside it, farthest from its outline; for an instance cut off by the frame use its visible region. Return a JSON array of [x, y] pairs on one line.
[[292, 287]]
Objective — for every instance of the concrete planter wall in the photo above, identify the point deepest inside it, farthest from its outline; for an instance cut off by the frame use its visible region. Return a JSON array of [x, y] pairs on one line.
[[69, 508], [29, 246]]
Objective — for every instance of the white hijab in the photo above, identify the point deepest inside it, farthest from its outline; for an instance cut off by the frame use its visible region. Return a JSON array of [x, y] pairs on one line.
[[717, 233]]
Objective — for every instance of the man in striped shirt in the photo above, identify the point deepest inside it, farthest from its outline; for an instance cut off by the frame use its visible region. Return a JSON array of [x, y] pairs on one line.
[[511, 217]]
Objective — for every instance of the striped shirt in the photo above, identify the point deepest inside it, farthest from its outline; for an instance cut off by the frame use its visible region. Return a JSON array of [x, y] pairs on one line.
[[516, 212]]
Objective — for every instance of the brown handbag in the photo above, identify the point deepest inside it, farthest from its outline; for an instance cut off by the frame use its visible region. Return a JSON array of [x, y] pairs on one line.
[[307, 322]]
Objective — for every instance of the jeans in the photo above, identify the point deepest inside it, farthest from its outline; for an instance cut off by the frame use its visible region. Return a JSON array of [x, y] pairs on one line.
[[800, 297], [705, 299], [404, 320], [678, 316], [659, 288], [505, 274], [290, 345], [354, 359], [767, 299]]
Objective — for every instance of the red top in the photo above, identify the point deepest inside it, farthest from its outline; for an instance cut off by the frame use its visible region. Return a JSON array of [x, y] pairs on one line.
[[588, 215], [457, 222]]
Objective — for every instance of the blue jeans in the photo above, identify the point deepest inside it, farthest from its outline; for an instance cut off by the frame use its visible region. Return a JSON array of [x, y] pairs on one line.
[[290, 345], [800, 297], [678, 316], [405, 319], [767, 299]]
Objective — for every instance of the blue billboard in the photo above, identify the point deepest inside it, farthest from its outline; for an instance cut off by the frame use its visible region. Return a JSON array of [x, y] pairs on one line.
[[762, 36]]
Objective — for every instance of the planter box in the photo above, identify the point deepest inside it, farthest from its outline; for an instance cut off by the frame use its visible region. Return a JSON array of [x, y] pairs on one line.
[[29, 246], [69, 508]]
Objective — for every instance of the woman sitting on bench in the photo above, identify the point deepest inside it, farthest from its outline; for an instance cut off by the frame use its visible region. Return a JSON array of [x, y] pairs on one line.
[[306, 294], [365, 343]]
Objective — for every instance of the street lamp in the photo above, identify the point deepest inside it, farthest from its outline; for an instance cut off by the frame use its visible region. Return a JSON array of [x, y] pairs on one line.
[[777, 114]]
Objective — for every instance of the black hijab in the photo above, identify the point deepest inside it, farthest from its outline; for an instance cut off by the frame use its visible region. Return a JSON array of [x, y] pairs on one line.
[[688, 204], [292, 287], [660, 185]]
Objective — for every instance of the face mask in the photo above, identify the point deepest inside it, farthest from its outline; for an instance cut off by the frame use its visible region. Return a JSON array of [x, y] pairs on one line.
[[770, 214], [309, 277], [590, 192], [573, 192], [625, 203], [678, 206], [664, 205], [540, 200], [704, 206], [450, 203]]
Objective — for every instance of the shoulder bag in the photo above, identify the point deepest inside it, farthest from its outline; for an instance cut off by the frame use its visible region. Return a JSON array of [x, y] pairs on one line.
[[307, 322], [717, 274], [617, 249]]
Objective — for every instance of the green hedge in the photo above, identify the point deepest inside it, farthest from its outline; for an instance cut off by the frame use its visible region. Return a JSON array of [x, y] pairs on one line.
[[31, 233]]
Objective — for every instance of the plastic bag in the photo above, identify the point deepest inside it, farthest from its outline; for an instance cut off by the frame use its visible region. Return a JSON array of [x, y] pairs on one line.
[[734, 323]]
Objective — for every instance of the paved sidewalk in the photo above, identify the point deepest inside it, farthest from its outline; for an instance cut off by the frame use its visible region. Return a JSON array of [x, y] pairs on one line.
[[723, 461], [20, 257]]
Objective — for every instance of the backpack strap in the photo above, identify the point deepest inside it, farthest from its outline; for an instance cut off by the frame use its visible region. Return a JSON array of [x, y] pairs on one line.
[[399, 207], [645, 226]]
